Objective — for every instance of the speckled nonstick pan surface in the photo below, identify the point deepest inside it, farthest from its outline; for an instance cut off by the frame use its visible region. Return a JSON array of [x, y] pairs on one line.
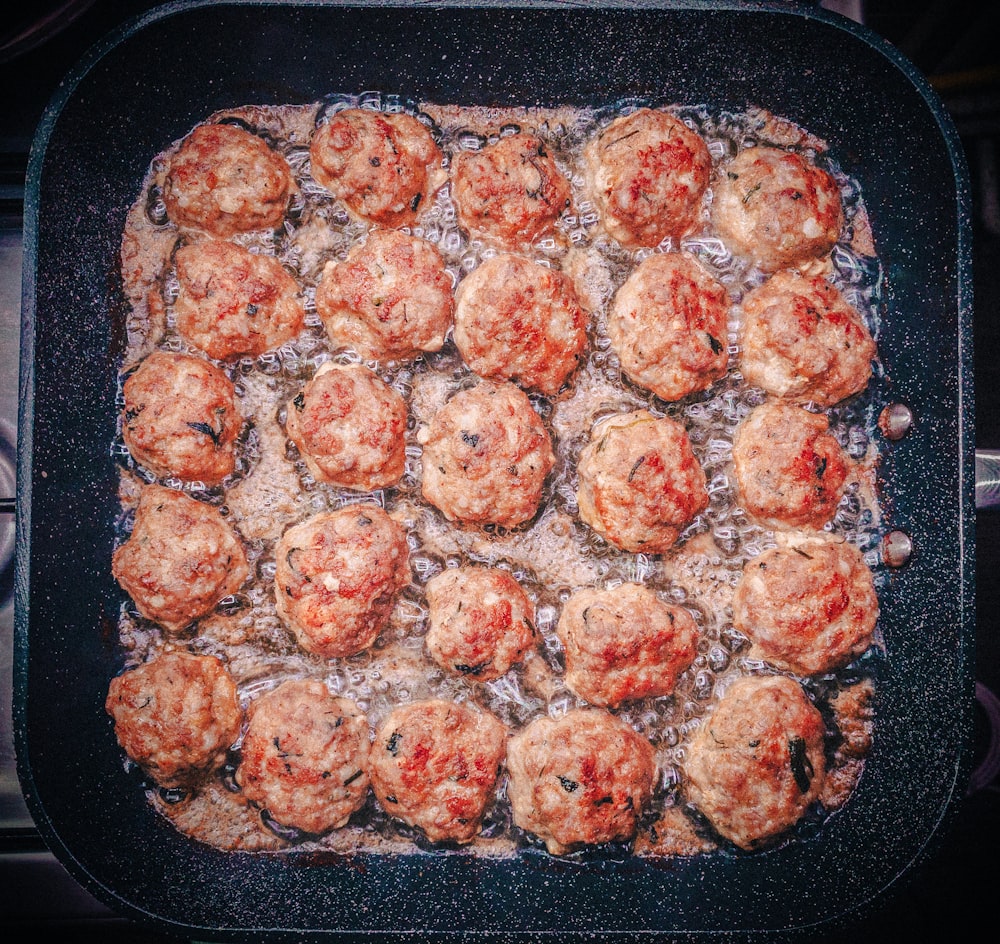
[[147, 87]]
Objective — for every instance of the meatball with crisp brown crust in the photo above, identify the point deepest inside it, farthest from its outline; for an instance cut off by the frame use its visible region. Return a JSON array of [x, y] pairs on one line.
[[640, 483], [232, 302], [480, 621], [176, 716], [486, 455], [304, 757], [582, 779], [647, 172], [337, 577], [181, 418], [225, 180], [519, 320], [624, 643], [809, 607], [668, 326], [790, 470], [757, 762], [349, 427], [434, 765], [180, 560], [385, 168]]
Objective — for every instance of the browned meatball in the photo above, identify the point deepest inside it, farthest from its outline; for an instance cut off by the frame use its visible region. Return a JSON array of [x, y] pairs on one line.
[[777, 208], [390, 298], [181, 418], [383, 167], [640, 483], [481, 622], [624, 643], [510, 192], [232, 302], [350, 427], [668, 326], [647, 172], [225, 180], [756, 763], [790, 470], [809, 607], [486, 455], [304, 758], [519, 320], [176, 716], [337, 577], [582, 779], [180, 560], [434, 765], [802, 341]]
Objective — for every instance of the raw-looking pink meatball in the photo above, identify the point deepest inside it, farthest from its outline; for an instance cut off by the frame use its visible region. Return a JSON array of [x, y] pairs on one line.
[[582, 779], [304, 757]]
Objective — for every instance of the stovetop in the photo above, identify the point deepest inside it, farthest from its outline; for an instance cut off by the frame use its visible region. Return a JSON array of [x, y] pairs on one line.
[[944, 39]]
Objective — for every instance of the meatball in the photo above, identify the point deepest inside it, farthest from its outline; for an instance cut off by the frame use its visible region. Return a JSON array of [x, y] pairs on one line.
[[509, 193], [337, 577], [390, 298], [624, 643], [181, 418], [519, 320], [809, 607], [434, 765], [180, 560], [304, 758], [667, 324], [232, 302], [582, 779], [790, 470], [176, 716], [757, 762], [486, 455], [480, 620], [349, 427], [777, 208], [224, 180], [640, 483], [385, 168], [802, 341], [647, 173]]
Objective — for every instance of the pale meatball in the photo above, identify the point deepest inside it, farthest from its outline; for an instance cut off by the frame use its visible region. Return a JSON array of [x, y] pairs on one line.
[[232, 302], [349, 427], [180, 560], [624, 643], [802, 341], [486, 455], [480, 622], [519, 320], [810, 607], [434, 765], [640, 483], [385, 168], [181, 418], [510, 192], [668, 326], [757, 762], [647, 172], [304, 757], [582, 779], [225, 180], [391, 297], [176, 716], [777, 208], [337, 577], [790, 470]]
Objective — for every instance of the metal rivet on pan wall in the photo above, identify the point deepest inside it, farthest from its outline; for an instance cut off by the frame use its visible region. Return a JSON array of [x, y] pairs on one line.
[[897, 548], [895, 421]]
